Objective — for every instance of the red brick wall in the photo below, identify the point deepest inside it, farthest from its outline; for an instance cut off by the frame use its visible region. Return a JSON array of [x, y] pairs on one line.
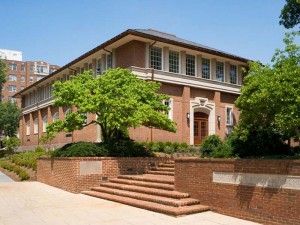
[[64, 173], [271, 206], [131, 54]]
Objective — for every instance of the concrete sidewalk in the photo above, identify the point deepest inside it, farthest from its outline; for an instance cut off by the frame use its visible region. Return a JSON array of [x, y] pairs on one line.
[[4, 178], [34, 203]]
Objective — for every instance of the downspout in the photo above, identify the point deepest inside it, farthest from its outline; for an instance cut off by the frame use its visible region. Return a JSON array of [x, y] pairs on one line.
[[152, 79]]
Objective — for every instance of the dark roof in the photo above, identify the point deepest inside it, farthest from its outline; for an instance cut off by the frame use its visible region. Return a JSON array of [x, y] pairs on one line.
[[150, 34]]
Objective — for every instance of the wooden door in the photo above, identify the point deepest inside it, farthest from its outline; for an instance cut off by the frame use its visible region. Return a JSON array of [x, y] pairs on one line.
[[200, 127]]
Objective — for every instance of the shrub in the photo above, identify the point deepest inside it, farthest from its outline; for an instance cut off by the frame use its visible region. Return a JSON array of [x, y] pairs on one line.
[[28, 159], [80, 149], [169, 150], [175, 145], [39, 149], [223, 150], [21, 173], [210, 144], [183, 145], [126, 148]]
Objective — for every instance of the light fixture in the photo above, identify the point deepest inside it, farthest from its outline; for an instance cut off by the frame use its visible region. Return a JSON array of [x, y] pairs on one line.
[[188, 115], [219, 119]]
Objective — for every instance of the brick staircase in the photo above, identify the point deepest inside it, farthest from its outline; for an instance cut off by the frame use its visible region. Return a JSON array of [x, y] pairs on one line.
[[152, 191]]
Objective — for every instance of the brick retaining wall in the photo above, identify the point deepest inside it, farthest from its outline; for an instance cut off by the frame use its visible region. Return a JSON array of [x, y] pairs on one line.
[[272, 206], [65, 173]]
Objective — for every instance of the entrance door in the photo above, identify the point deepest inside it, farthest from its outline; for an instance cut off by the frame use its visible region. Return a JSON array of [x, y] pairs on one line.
[[200, 127]]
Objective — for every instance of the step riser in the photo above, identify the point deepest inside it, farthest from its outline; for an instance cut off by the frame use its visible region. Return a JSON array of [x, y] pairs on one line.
[[145, 191], [146, 179], [161, 173], [134, 195], [145, 184], [172, 211], [163, 169]]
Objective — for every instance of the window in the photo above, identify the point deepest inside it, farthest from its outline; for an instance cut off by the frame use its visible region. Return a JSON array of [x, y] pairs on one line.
[[45, 123], [31, 67], [28, 127], [190, 65], [22, 78], [99, 67], [109, 61], [22, 67], [13, 67], [205, 68], [36, 126], [41, 69], [90, 66], [229, 116], [52, 70], [156, 58], [31, 79], [11, 99], [68, 111], [22, 88], [55, 116], [169, 103], [220, 71], [12, 88], [173, 62], [12, 77], [233, 74]]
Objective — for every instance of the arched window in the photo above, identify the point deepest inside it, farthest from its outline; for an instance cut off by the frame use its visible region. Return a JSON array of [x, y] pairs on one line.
[[45, 123], [68, 111], [28, 127], [55, 116], [36, 126]]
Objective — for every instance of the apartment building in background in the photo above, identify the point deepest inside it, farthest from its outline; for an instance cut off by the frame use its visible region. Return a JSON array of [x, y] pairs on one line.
[[22, 74], [202, 83]]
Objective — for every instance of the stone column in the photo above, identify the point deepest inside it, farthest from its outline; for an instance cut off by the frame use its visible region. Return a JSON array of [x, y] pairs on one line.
[[166, 59], [213, 69], [199, 66], [183, 62], [94, 65], [113, 58], [227, 72], [240, 75], [147, 56], [86, 66], [185, 109], [103, 61]]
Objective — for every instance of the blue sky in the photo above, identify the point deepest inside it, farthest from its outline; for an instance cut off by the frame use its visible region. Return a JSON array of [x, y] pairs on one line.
[[60, 31]]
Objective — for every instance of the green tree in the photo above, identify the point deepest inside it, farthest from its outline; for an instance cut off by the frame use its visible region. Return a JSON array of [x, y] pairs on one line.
[[290, 14], [270, 99], [119, 99], [9, 119], [3, 71], [12, 144]]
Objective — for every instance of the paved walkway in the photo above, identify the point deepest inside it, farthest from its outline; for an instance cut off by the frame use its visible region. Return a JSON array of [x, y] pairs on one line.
[[36, 203], [4, 178]]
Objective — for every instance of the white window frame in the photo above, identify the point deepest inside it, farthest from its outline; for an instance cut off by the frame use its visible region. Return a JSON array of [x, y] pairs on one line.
[[179, 61], [236, 73], [162, 57], [195, 65], [230, 122], [13, 76], [170, 104], [12, 88], [210, 74], [22, 80], [28, 127], [36, 126], [31, 79], [45, 123], [223, 71]]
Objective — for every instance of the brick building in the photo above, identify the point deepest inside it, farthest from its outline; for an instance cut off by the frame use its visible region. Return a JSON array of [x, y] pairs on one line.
[[202, 83], [22, 74]]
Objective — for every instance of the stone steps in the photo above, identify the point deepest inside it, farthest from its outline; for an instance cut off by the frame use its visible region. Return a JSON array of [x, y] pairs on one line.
[[143, 184], [145, 190], [152, 191], [149, 178], [161, 173], [148, 197], [169, 210]]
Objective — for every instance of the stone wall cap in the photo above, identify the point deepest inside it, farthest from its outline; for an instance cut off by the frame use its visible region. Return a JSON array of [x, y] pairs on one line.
[[207, 160]]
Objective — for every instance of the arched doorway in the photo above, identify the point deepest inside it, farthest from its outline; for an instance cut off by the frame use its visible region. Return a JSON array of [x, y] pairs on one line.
[[200, 127]]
